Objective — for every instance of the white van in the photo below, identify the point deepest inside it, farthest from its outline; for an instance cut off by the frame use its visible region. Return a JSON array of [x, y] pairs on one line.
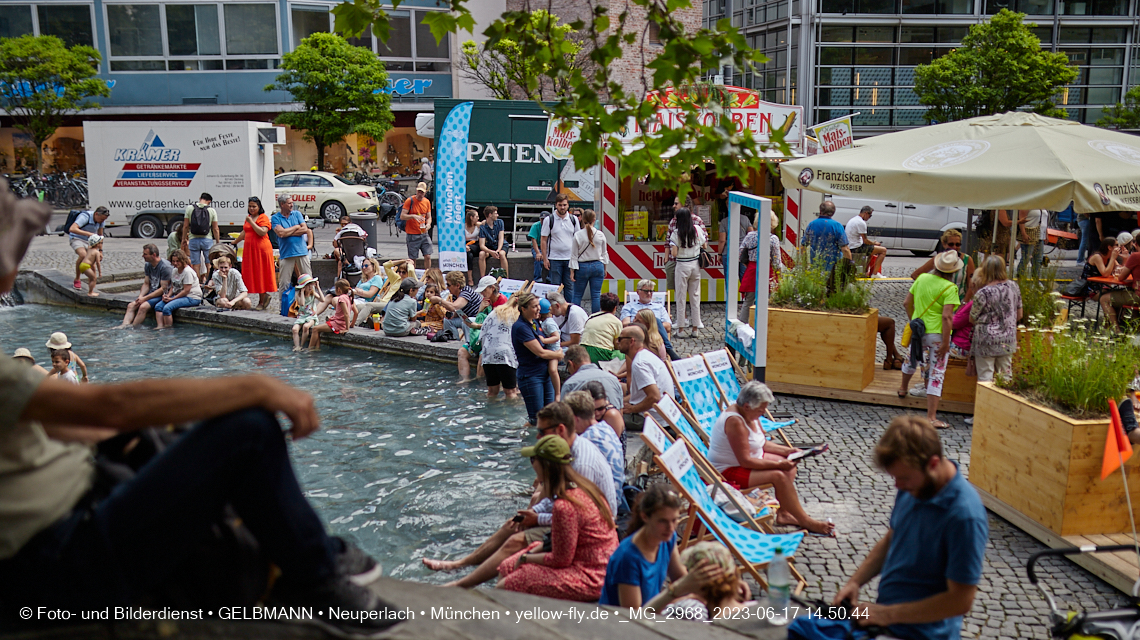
[[898, 225]]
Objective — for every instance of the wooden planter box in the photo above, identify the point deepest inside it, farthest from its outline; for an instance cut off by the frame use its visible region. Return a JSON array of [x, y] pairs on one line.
[[958, 387], [1047, 465], [821, 349]]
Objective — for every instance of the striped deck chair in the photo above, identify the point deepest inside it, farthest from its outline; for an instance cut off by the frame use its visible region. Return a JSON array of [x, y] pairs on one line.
[[658, 441], [698, 391], [723, 373], [509, 287], [752, 549], [669, 412]]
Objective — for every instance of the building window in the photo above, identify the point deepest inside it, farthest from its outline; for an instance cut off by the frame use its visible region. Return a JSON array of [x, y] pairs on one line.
[[1031, 7], [251, 29], [15, 20], [192, 30], [192, 39], [411, 47], [68, 22], [307, 21], [134, 30], [399, 43], [1094, 8]]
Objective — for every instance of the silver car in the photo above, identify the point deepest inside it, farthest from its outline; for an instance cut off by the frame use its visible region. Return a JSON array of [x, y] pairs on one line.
[[903, 225]]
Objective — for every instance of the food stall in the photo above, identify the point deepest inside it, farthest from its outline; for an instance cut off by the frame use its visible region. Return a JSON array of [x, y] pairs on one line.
[[635, 219]]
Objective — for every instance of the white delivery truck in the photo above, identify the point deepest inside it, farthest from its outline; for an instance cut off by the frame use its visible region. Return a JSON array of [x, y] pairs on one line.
[[146, 173]]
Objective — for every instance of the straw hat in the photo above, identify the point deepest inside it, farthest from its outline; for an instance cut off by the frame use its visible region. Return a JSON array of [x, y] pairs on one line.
[[58, 340], [948, 262], [24, 353]]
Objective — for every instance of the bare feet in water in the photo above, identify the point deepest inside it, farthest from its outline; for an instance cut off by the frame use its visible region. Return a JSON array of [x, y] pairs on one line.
[[442, 565]]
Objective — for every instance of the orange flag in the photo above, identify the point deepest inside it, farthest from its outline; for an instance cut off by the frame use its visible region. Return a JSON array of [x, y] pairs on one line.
[[1116, 445]]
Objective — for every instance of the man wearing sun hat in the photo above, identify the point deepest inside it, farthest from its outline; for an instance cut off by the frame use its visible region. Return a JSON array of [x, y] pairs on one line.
[[66, 543], [417, 219], [930, 306], [25, 356]]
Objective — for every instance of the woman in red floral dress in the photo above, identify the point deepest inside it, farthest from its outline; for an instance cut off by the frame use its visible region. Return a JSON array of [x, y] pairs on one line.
[[582, 533]]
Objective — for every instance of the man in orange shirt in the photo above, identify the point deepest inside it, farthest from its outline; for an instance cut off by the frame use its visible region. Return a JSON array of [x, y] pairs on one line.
[[417, 219]]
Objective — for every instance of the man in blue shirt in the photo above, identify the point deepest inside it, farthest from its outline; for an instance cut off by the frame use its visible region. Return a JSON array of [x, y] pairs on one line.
[[827, 237], [930, 561], [492, 242], [294, 239]]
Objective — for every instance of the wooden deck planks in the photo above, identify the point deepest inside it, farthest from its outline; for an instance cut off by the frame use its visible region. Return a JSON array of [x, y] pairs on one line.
[[882, 391]]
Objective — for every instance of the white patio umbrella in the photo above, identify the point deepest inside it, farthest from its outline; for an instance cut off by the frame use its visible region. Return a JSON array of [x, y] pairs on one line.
[[1008, 161]]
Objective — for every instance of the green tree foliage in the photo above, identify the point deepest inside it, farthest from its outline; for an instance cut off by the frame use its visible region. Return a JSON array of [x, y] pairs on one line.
[[999, 67], [509, 75], [343, 90], [1125, 115], [42, 82], [598, 103]]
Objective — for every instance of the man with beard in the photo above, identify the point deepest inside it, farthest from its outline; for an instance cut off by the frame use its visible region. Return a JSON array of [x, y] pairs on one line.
[[930, 560]]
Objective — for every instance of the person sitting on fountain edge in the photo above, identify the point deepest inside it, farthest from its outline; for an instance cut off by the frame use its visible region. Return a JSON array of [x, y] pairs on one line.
[[68, 541]]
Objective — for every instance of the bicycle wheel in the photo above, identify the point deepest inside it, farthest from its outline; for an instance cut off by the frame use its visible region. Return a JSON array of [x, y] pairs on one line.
[[392, 198]]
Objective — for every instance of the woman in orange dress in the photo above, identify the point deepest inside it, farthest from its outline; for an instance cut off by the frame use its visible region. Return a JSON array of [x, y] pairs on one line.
[[257, 268]]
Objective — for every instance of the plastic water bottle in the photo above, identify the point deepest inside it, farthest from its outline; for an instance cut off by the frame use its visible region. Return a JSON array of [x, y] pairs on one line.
[[779, 587]]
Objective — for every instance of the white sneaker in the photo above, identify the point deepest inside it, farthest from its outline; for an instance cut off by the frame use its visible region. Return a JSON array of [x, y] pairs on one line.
[[918, 392], [877, 276], [969, 420]]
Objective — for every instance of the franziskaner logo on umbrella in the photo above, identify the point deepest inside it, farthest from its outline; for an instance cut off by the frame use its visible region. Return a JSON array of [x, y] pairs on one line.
[[1117, 150], [946, 154]]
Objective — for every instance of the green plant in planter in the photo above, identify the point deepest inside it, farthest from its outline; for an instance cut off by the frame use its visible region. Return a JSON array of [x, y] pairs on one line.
[[806, 286], [1038, 298], [1075, 370]]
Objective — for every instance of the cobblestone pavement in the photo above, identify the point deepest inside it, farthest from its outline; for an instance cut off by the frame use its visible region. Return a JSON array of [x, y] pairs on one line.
[[845, 486], [842, 485]]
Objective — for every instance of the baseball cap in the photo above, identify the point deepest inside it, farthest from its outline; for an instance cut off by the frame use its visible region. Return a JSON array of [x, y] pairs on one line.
[[1124, 238], [543, 305], [486, 281], [551, 448], [422, 187]]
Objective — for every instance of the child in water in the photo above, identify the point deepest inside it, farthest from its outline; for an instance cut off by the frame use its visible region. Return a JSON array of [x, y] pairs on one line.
[[92, 265], [338, 323], [310, 304], [59, 342], [552, 338], [60, 366]]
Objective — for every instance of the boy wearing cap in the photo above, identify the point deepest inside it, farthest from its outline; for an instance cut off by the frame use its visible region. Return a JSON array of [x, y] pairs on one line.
[[932, 299], [417, 219]]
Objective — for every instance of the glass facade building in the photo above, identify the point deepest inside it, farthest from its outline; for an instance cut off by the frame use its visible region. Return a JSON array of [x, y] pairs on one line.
[[838, 57]]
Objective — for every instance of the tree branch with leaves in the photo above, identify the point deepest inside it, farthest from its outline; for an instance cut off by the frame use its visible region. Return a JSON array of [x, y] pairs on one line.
[[509, 75], [614, 119], [1123, 115], [42, 82]]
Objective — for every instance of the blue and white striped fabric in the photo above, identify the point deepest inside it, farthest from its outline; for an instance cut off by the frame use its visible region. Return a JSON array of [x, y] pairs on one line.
[[755, 547], [699, 390], [721, 367], [670, 412]]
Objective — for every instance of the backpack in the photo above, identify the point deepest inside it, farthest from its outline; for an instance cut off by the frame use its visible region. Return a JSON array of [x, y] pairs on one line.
[[200, 221], [402, 224], [72, 216]]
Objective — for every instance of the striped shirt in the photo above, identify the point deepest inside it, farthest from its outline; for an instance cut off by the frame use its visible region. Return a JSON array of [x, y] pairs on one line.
[[603, 436]]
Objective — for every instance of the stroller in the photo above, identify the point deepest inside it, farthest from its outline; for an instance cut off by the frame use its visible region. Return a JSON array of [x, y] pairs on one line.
[[1116, 624]]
